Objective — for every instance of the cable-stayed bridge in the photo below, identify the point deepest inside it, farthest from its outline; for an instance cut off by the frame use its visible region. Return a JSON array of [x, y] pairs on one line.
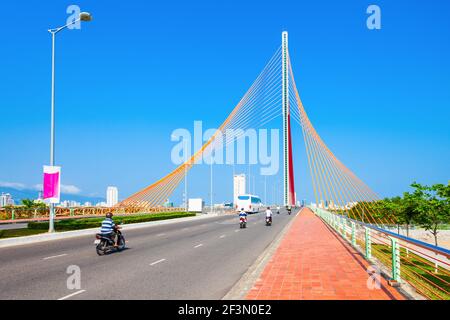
[[274, 94], [342, 200], [343, 247]]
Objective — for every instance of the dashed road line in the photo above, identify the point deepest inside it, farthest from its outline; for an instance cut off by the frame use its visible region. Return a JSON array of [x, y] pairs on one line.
[[71, 295], [222, 236], [156, 262], [199, 245], [57, 256]]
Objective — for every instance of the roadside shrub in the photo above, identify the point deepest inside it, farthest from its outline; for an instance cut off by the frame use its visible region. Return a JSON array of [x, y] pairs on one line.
[[86, 223]]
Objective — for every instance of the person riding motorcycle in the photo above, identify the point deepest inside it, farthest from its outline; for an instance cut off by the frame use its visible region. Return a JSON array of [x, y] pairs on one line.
[[269, 214], [109, 228], [289, 209], [278, 210], [243, 214]]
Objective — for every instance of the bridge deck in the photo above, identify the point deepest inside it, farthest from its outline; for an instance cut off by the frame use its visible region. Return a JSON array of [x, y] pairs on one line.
[[312, 262]]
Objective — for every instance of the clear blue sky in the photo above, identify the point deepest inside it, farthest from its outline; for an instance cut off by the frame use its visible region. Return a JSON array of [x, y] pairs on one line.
[[125, 81]]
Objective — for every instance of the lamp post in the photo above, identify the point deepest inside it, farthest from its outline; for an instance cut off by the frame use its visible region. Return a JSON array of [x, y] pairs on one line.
[[84, 16], [185, 178]]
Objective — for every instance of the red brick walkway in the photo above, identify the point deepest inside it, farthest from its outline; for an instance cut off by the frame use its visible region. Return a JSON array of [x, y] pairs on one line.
[[314, 263]]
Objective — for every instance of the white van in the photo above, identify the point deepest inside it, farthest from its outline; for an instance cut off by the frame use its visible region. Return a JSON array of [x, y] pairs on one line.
[[249, 202]]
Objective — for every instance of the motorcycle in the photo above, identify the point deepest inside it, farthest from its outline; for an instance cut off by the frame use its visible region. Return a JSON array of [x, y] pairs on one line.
[[268, 221], [243, 222], [104, 244]]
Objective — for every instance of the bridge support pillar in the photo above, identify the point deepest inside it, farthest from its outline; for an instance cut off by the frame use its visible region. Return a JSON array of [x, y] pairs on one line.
[[288, 168]]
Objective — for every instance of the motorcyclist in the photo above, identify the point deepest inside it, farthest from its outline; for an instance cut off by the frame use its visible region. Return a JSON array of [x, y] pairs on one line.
[[269, 214], [278, 210], [109, 228], [289, 209], [243, 214]]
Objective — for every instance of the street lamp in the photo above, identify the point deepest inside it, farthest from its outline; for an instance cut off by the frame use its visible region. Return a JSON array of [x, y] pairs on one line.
[[84, 16]]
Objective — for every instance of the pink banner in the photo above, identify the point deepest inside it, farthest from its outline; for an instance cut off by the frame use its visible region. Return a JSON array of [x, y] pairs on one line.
[[51, 183]]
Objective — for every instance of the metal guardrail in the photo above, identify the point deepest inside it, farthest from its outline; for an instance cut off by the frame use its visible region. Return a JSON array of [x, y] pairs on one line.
[[423, 266]]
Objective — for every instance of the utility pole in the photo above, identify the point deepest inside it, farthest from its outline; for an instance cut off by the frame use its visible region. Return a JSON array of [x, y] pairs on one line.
[[84, 16], [249, 182], [265, 189], [211, 182], [185, 178]]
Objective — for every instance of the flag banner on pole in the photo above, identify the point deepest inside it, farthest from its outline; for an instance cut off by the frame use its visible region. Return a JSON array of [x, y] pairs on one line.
[[52, 187]]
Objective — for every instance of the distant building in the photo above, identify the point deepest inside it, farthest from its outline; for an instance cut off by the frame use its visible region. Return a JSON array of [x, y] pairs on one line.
[[69, 204], [238, 186], [73, 204], [101, 204], [87, 204], [112, 196], [168, 204], [65, 204], [6, 200]]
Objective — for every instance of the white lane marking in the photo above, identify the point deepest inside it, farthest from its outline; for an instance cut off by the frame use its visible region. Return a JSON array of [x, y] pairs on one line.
[[156, 262], [57, 256], [199, 245], [71, 295], [222, 236], [236, 230], [161, 234]]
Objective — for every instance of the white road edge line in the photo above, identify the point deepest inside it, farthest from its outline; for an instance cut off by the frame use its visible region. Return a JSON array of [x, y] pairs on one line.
[[51, 257], [156, 262], [72, 294], [222, 236], [161, 234], [199, 245]]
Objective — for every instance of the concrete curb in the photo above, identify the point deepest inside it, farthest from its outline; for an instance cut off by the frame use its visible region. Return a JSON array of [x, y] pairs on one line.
[[17, 241], [245, 284]]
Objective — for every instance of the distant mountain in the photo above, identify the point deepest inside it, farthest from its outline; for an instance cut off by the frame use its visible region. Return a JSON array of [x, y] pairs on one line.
[[18, 195]]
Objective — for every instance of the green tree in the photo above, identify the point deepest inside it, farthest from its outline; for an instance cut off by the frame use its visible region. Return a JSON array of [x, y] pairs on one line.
[[391, 208], [31, 204], [28, 203], [433, 206], [408, 210]]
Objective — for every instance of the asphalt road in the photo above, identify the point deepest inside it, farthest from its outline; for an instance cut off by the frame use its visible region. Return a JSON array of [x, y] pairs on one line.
[[10, 226], [199, 259]]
